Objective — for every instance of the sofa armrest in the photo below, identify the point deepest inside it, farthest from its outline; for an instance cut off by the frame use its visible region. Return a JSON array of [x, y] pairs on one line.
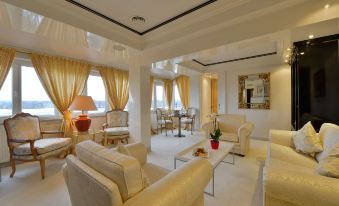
[[281, 137], [181, 187], [245, 130], [300, 188], [138, 151]]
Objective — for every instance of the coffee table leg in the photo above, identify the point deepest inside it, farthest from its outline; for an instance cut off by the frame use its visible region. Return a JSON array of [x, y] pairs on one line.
[[211, 194], [175, 163]]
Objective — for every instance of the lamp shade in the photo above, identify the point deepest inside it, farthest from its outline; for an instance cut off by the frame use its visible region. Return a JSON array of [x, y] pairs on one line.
[[84, 103]]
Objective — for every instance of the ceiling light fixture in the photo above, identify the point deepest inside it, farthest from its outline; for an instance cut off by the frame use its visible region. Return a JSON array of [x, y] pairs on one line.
[[288, 49], [302, 53], [311, 36], [327, 6], [138, 19]]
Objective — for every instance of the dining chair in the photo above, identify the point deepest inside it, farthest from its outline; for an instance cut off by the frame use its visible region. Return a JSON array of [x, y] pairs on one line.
[[190, 118], [163, 120]]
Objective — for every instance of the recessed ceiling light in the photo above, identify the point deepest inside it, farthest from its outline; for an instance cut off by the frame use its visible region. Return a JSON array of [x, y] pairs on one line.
[[311, 36], [327, 6], [286, 60], [138, 19], [288, 49], [287, 55], [302, 53]]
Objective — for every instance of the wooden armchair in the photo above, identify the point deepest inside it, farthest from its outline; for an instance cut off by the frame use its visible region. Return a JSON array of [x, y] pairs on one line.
[[163, 120], [116, 126], [26, 143], [190, 118]]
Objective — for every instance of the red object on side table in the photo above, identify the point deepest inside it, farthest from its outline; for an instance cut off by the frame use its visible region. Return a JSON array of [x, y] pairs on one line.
[[214, 144], [83, 123]]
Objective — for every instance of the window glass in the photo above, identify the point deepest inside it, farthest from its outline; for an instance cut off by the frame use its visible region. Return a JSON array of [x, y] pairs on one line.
[[160, 97], [96, 89], [34, 97], [177, 100], [6, 96]]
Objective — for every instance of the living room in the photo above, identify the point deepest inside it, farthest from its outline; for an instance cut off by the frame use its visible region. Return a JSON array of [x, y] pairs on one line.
[[110, 103]]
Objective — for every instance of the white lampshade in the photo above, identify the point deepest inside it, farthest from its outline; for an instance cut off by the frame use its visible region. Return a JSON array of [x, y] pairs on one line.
[[83, 103]]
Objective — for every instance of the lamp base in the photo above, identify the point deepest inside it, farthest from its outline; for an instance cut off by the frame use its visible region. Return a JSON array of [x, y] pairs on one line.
[[82, 123]]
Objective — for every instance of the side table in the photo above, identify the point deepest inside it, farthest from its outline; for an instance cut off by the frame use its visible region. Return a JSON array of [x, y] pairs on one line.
[[78, 136]]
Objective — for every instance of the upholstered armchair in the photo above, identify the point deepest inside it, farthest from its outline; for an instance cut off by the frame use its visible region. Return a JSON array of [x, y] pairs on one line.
[[26, 143], [163, 120], [116, 126], [234, 128], [108, 177], [190, 118]]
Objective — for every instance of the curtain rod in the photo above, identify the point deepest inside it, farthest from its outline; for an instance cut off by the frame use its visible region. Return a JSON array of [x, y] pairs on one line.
[[28, 52]]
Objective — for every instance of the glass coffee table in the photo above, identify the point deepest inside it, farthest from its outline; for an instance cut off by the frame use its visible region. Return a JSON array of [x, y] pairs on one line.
[[215, 157]]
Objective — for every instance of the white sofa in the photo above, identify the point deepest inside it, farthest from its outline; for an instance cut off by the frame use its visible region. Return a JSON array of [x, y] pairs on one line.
[[104, 177], [290, 178], [234, 128]]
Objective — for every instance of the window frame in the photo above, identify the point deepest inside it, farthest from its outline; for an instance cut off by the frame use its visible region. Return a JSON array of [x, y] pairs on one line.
[[154, 100]]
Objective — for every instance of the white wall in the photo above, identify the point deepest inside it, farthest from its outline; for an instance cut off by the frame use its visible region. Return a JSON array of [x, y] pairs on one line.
[[195, 97], [279, 116]]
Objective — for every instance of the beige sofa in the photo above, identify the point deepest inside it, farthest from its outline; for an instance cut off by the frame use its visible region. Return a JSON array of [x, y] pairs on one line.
[[234, 128], [290, 178], [104, 177]]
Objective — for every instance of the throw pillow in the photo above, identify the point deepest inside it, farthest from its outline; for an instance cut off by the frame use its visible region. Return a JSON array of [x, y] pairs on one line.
[[307, 141], [329, 166], [124, 150]]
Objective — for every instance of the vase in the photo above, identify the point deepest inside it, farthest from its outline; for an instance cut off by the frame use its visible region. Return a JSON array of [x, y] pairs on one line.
[[214, 144]]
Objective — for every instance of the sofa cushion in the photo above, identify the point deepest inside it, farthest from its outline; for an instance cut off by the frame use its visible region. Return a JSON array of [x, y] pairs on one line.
[[329, 166], [231, 137], [116, 131], [154, 172], [329, 136], [306, 140], [289, 155], [124, 170], [43, 146]]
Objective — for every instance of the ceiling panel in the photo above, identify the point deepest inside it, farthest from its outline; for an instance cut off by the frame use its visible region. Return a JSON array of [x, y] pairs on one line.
[[154, 12]]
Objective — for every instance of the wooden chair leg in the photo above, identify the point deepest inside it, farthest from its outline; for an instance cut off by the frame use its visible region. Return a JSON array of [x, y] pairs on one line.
[[192, 128], [13, 167], [42, 168]]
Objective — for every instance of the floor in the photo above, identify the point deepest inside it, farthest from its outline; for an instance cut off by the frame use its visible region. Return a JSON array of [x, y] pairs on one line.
[[235, 184]]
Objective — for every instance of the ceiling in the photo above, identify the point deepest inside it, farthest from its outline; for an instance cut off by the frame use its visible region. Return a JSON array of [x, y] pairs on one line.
[[155, 13]]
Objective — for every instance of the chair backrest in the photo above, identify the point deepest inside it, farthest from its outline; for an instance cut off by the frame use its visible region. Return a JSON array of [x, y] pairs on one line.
[[230, 122], [102, 192], [22, 126], [191, 112], [117, 118], [158, 113]]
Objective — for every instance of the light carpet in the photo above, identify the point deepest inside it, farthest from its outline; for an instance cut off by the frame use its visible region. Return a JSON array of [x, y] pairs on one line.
[[234, 184]]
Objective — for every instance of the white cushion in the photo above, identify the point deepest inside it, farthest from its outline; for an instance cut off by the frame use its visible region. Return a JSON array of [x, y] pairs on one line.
[[167, 121], [115, 131], [306, 140], [329, 135], [329, 166], [42, 145], [124, 170]]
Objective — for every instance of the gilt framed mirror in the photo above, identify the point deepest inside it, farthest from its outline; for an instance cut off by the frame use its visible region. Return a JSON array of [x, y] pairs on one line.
[[254, 91]]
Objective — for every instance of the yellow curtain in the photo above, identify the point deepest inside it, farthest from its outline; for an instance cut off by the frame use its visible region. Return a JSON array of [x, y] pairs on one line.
[[214, 95], [183, 84], [6, 59], [62, 79], [117, 86], [168, 89], [152, 87]]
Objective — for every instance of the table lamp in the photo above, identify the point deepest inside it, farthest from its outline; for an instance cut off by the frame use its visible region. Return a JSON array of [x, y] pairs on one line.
[[83, 103]]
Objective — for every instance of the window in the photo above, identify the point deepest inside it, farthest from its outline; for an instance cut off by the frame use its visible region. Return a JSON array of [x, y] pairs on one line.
[[96, 89], [160, 101], [34, 97], [6, 96], [177, 100]]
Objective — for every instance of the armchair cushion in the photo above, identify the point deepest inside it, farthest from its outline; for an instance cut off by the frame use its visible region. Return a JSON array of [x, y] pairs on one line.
[[42, 145], [124, 170], [154, 172], [116, 131]]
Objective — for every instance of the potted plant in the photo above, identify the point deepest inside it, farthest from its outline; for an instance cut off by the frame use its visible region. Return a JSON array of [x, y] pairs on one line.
[[215, 136]]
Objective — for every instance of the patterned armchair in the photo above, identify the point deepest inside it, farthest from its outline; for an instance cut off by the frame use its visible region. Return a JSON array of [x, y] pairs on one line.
[[26, 143], [163, 120], [116, 126]]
